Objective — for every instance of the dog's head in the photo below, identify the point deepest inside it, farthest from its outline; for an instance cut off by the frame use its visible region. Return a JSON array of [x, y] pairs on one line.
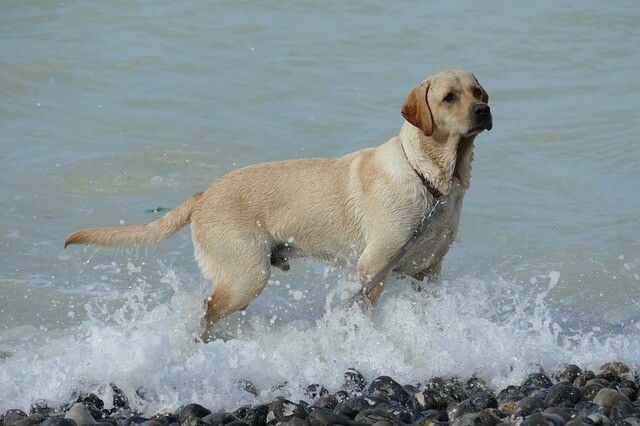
[[450, 102]]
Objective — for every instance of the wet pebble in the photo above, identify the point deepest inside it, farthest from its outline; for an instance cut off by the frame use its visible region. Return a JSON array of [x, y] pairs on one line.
[[563, 393], [283, 410], [80, 414], [10, 417], [390, 388], [571, 396], [34, 419], [538, 380], [529, 404], [609, 396]]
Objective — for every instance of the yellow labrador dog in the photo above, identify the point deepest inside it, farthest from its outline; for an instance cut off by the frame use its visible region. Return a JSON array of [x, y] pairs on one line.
[[356, 210]]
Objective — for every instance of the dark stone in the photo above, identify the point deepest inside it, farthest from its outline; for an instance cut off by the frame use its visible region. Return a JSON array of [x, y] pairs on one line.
[[167, 418], [483, 400], [538, 380], [514, 390], [401, 414], [58, 421], [91, 399], [529, 404], [629, 393], [120, 401], [580, 422], [11, 416], [629, 384], [241, 412], [191, 420], [620, 411], [535, 419], [555, 420], [562, 393], [314, 391], [323, 417], [435, 415], [555, 411], [475, 384], [539, 393], [362, 403], [294, 422], [327, 401], [484, 418], [195, 410], [342, 396], [584, 378], [629, 421], [599, 381], [389, 387], [411, 389], [428, 400], [106, 422], [256, 416], [457, 410], [566, 405], [454, 393], [371, 417], [585, 406], [345, 410], [41, 407], [354, 381], [570, 372], [33, 419], [221, 418], [283, 410], [510, 403], [155, 422], [590, 391], [134, 421]]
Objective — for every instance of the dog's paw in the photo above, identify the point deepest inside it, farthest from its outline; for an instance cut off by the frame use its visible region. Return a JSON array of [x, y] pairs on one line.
[[360, 302]]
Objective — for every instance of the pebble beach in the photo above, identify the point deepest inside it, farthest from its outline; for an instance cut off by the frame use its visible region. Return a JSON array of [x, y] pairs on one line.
[[569, 396]]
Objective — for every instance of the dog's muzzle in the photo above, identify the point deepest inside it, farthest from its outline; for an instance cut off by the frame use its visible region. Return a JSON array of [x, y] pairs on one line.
[[482, 117]]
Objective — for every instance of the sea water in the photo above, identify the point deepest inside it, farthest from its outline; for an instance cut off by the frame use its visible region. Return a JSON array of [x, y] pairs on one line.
[[113, 112]]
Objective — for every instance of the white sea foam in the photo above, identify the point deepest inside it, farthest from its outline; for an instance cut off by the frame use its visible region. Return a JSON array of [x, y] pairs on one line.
[[490, 327]]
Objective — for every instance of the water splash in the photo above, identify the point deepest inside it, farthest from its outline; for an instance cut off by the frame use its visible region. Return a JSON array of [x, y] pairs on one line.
[[143, 341]]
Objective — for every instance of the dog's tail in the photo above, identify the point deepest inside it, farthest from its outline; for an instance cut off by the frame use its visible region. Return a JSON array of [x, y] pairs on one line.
[[138, 235]]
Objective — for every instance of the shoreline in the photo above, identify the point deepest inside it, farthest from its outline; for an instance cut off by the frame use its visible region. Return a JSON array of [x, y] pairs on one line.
[[568, 396]]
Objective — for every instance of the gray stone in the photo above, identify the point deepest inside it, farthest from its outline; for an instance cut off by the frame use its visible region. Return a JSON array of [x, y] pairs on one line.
[[609, 397], [80, 414]]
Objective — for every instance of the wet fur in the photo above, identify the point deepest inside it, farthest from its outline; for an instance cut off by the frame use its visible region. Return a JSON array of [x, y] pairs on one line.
[[355, 210]]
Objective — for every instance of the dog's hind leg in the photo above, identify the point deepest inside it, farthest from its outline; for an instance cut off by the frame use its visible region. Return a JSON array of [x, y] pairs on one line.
[[238, 273]]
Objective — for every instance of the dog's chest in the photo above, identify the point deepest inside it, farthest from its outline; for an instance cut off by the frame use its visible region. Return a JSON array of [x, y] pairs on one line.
[[437, 239]]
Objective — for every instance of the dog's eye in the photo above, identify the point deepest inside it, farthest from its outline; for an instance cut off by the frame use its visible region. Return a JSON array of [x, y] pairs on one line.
[[477, 92], [450, 97]]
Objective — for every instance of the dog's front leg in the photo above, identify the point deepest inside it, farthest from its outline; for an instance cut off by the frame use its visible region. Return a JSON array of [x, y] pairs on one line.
[[373, 259]]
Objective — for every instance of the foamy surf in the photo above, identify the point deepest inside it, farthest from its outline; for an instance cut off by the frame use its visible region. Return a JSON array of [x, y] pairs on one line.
[[145, 343]]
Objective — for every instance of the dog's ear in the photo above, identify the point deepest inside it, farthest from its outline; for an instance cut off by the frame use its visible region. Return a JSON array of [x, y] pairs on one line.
[[485, 95], [416, 108]]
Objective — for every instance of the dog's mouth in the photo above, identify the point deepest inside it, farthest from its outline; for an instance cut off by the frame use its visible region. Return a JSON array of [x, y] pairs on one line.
[[483, 120], [485, 124]]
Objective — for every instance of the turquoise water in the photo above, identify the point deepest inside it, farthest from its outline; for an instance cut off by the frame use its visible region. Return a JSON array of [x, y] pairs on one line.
[[112, 109]]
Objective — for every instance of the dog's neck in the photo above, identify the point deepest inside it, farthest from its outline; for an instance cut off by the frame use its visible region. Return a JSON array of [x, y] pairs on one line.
[[442, 160]]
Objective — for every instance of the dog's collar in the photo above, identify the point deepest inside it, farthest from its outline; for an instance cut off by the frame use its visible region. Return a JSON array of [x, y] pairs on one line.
[[432, 189]]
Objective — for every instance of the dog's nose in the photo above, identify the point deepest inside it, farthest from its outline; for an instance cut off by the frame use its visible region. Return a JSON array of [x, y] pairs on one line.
[[481, 109]]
